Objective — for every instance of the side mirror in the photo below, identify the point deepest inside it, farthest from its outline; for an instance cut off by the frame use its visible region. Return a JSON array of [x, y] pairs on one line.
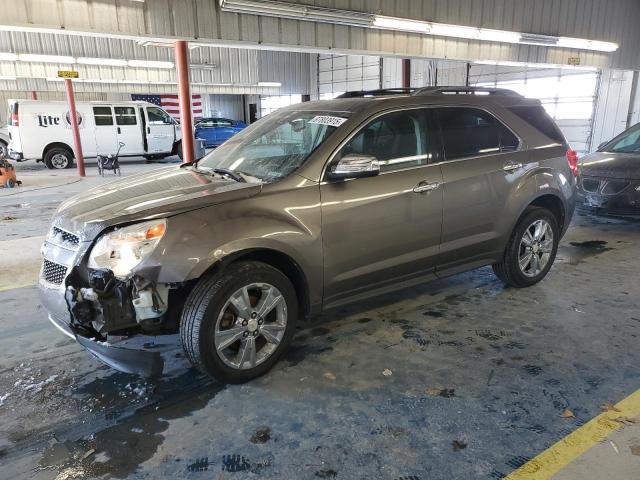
[[355, 165]]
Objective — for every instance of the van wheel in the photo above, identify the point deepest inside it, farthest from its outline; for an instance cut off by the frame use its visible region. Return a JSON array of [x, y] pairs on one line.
[[58, 158], [4, 150], [237, 323], [531, 249]]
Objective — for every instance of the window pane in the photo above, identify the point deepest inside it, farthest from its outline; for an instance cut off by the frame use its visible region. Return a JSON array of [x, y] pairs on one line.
[[102, 116], [125, 115], [538, 119], [468, 132], [508, 141], [157, 116], [395, 139]]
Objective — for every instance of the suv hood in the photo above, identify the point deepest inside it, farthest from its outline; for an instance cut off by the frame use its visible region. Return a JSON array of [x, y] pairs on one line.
[[163, 192], [611, 165]]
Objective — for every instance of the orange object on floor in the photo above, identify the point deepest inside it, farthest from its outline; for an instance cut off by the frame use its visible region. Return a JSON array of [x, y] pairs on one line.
[[7, 174]]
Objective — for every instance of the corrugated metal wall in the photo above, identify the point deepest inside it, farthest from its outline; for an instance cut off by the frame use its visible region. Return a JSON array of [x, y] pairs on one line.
[[227, 106], [612, 109], [343, 73], [292, 69], [611, 20]]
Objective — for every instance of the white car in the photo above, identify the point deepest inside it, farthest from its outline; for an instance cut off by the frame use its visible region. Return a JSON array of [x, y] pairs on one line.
[[41, 130]]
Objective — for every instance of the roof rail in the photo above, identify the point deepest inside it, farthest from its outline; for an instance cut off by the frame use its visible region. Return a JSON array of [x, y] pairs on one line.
[[377, 93], [465, 91]]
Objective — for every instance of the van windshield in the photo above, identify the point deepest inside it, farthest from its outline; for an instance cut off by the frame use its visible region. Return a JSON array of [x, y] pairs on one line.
[[275, 146]]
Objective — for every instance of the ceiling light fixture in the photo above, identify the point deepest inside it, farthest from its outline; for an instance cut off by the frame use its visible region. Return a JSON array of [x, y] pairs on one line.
[[506, 63], [269, 84], [149, 64], [8, 57], [29, 57], [110, 62], [311, 13]]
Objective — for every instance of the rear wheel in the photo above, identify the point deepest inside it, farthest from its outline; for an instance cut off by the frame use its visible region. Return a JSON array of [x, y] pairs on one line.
[[237, 323], [4, 150], [531, 249], [58, 158]]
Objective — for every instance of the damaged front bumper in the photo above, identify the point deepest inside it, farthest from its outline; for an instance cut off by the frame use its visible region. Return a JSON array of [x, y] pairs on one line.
[[134, 352], [609, 196]]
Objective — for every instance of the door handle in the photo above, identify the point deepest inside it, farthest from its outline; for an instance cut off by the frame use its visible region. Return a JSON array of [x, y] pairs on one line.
[[511, 167], [119, 131], [148, 129], [425, 187]]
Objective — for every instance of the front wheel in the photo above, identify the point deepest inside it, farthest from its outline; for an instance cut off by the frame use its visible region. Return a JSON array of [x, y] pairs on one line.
[[531, 249], [237, 323]]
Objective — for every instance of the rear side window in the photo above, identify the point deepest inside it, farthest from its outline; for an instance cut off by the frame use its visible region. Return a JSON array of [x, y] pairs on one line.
[[102, 116], [396, 139], [537, 117], [125, 115], [157, 116], [471, 132]]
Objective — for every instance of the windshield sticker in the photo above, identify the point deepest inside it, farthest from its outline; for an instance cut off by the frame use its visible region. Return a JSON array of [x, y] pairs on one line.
[[328, 120]]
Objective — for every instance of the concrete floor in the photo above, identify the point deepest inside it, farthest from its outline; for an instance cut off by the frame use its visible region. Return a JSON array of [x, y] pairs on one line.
[[461, 378]]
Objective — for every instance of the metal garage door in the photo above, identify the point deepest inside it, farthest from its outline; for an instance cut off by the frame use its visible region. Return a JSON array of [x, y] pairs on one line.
[[568, 94], [342, 73]]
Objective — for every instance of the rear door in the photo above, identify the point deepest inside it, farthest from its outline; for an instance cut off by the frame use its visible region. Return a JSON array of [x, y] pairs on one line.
[[381, 230], [160, 130], [129, 130], [483, 163], [105, 131]]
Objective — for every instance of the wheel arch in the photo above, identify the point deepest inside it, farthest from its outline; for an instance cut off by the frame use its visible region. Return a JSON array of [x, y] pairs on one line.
[[278, 260], [52, 145]]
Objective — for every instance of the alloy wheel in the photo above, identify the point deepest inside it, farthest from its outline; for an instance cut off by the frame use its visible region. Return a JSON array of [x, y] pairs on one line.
[[536, 247], [250, 326]]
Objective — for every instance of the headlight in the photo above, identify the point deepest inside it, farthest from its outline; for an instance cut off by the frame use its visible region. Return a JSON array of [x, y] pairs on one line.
[[122, 249]]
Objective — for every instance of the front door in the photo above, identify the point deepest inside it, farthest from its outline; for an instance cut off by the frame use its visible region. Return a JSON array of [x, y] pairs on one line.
[[105, 132], [129, 130], [160, 130], [383, 230], [483, 165]]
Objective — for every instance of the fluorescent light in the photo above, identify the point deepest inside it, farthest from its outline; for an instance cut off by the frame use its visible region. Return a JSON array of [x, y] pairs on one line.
[[8, 77], [111, 62], [149, 64], [400, 24], [269, 84], [454, 31], [8, 57], [499, 36], [584, 44], [505, 63], [29, 57]]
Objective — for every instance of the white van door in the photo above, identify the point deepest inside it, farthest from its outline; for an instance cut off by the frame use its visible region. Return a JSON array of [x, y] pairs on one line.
[[160, 130], [106, 134], [129, 130]]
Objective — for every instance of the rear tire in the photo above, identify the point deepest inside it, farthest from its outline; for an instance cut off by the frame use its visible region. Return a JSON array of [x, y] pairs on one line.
[[216, 311], [179, 150], [527, 259], [58, 158]]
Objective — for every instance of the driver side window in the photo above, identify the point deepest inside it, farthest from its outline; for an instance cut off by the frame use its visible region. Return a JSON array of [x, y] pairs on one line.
[[158, 116], [397, 140]]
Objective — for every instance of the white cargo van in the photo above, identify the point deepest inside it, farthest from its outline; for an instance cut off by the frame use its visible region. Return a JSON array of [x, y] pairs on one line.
[[41, 130]]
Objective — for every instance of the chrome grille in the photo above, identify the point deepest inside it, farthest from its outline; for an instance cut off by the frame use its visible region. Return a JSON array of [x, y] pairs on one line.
[[66, 237], [53, 272]]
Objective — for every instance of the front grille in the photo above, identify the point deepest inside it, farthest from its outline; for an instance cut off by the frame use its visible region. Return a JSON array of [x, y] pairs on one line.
[[66, 237], [53, 272], [590, 185], [612, 187]]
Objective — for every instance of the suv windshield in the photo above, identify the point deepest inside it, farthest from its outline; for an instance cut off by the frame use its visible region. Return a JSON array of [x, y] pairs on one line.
[[274, 147], [626, 142]]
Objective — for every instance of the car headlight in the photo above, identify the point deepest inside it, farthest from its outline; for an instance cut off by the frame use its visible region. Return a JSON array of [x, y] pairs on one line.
[[124, 248]]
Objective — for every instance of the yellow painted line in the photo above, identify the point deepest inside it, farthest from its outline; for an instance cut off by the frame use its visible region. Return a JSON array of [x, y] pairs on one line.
[[14, 287], [565, 451]]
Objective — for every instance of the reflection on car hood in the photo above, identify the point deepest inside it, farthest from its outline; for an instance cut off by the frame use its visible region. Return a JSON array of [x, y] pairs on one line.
[[611, 165], [163, 192]]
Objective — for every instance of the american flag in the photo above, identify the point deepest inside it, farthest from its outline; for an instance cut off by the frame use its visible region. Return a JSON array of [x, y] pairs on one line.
[[170, 103]]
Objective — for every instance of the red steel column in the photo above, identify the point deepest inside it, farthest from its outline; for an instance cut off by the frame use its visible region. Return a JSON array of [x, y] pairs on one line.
[[184, 98], [73, 117], [34, 95], [406, 73]]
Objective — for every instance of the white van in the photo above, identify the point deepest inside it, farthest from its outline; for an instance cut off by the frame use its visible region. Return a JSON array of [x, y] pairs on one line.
[[41, 130]]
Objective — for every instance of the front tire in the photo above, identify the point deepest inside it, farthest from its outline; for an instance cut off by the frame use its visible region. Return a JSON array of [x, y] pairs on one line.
[[531, 249], [58, 159], [237, 323]]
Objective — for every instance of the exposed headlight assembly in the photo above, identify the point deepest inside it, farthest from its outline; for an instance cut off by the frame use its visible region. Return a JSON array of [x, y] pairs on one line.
[[122, 249]]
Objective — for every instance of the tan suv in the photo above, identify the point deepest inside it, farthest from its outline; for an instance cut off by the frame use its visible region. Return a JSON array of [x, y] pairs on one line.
[[314, 206]]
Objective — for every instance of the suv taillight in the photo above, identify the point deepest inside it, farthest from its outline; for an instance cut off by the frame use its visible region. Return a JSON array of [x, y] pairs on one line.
[[572, 159], [14, 120]]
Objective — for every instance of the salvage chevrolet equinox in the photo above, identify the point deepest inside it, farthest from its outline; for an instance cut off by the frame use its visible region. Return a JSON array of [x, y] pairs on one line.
[[316, 205]]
